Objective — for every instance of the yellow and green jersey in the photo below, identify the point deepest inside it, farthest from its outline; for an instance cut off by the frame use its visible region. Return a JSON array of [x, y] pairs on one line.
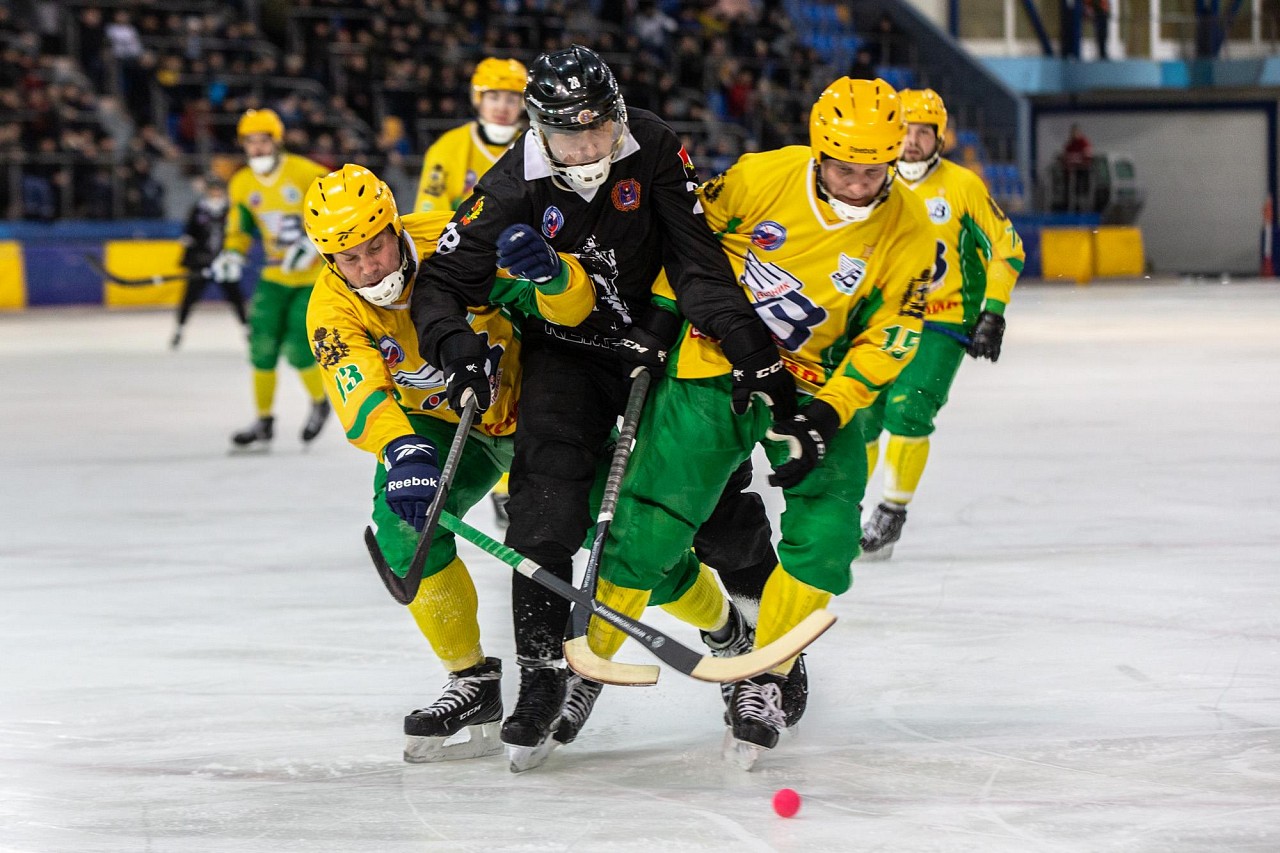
[[369, 357], [452, 166], [978, 253], [844, 300], [270, 208]]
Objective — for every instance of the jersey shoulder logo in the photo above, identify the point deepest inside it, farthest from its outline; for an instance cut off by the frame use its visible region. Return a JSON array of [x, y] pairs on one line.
[[626, 194], [769, 235], [392, 352], [552, 222], [849, 275], [474, 213], [291, 194], [436, 181], [329, 347], [939, 210], [469, 183], [686, 159], [255, 199]]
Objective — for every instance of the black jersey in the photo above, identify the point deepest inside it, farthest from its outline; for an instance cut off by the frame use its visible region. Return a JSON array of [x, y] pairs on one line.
[[203, 235], [643, 218]]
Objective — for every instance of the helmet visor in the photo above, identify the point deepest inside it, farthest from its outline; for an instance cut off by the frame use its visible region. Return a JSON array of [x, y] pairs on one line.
[[580, 146]]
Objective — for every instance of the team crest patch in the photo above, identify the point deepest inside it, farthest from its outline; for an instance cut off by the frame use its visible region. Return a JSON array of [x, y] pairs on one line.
[[435, 181], [392, 352], [474, 213], [686, 159], [291, 194], [255, 199], [769, 235], [329, 347], [552, 222], [849, 276], [626, 194], [469, 183], [711, 189], [939, 210], [586, 117]]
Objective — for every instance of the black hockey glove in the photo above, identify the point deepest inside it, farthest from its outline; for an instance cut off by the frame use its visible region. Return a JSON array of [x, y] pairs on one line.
[[807, 435], [987, 336], [522, 250], [647, 343], [758, 371], [466, 370], [413, 477]]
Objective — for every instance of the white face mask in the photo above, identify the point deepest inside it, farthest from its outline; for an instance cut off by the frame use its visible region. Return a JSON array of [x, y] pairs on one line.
[[499, 134], [851, 212], [914, 171], [263, 164], [587, 176], [387, 291]]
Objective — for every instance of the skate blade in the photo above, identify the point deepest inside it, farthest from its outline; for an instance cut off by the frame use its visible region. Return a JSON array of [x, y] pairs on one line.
[[481, 740], [524, 758], [877, 556], [248, 449], [741, 754]]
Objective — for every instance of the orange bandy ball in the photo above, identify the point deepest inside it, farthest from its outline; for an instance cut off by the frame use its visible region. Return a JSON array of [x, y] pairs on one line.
[[786, 802]]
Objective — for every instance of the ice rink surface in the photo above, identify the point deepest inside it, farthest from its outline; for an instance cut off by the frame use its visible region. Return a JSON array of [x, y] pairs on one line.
[[1075, 647]]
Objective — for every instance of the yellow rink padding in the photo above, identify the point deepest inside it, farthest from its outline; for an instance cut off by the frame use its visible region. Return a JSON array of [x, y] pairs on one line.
[[137, 259], [1066, 253], [13, 276], [1117, 251]]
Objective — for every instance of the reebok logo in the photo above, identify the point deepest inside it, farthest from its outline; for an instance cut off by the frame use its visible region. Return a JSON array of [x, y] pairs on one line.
[[409, 482]]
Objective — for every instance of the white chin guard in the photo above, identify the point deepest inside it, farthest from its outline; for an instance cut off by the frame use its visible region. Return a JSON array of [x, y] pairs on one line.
[[387, 291], [914, 171], [499, 134], [851, 212], [264, 164], [587, 176]]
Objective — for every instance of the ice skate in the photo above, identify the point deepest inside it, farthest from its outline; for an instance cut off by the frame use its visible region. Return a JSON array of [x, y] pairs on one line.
[[795, 694], [315, 421], [176, 340], [580, 697], [500, 501], [735, 638], [471, 703], [526, 734], [755, 719], [883, 529], [256, 436]]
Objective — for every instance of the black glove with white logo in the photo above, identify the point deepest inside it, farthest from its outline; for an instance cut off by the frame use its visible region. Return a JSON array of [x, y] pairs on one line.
[[758, 371], [522, 250], [987, 336], [465, 358], [413, 477], [807, 435], [646, 344]]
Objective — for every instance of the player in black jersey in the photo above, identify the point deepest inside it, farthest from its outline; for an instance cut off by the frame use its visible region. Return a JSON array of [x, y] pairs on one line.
[[615, 189]]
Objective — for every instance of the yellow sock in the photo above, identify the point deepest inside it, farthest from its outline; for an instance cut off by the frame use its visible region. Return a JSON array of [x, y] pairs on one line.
[[313, 382], [904, 461], [502, 487], [784, 604], [264, 390], [703, 605], [445, 610], [873, 456], [603, 638]]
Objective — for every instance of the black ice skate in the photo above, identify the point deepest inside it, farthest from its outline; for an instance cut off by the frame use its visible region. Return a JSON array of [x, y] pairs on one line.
[[883, 529], [471, 701], [795, 693], [735, 638], [256, 436], [176, 340], [755, 719], [579, 699], [527, 732], [500, 501], [315, 421]]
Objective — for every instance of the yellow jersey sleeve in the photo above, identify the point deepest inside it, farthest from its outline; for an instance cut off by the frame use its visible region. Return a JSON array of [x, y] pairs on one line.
[[451, 168], [1003, 248]]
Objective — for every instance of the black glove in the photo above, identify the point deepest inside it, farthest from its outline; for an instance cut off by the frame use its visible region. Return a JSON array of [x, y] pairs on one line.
[[413, 477], [807, 433], [466, 370], [647, 343], [987, 336], [758, 371], [522, 250]]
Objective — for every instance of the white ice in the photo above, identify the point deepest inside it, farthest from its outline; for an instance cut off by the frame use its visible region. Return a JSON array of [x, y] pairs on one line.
[[1075, 647]]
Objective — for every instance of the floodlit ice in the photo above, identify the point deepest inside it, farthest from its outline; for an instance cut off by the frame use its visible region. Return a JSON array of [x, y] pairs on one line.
[[1074, 648]]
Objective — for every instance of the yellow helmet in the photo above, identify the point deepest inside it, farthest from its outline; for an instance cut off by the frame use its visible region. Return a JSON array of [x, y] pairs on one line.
[[261, 121], [498, 75], [348, 207], [924, 106], [857, 121]]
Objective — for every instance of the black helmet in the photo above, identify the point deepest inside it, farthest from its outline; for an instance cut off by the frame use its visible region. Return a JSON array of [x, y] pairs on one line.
[[572, 88]]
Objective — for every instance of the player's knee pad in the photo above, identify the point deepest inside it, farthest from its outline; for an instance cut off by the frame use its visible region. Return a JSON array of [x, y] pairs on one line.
[[910, 412]]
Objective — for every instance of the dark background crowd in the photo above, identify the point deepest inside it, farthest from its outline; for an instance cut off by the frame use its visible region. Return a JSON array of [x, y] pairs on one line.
[[109, 109]]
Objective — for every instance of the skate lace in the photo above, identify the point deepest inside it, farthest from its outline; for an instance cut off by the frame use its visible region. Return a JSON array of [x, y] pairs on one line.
[[761, 702], [579, 701], [457, 693], [740, 641]]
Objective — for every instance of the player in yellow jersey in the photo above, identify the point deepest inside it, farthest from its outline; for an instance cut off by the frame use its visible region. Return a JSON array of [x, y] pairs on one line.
[[978, 259], [460, 157], [393, 404], [835, 259], [266, 204]]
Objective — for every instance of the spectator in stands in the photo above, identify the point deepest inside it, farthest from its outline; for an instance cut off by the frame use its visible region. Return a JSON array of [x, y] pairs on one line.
[[1078, 152], [863, 67], [654, 28], [1100, 12], [1077, 165]]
